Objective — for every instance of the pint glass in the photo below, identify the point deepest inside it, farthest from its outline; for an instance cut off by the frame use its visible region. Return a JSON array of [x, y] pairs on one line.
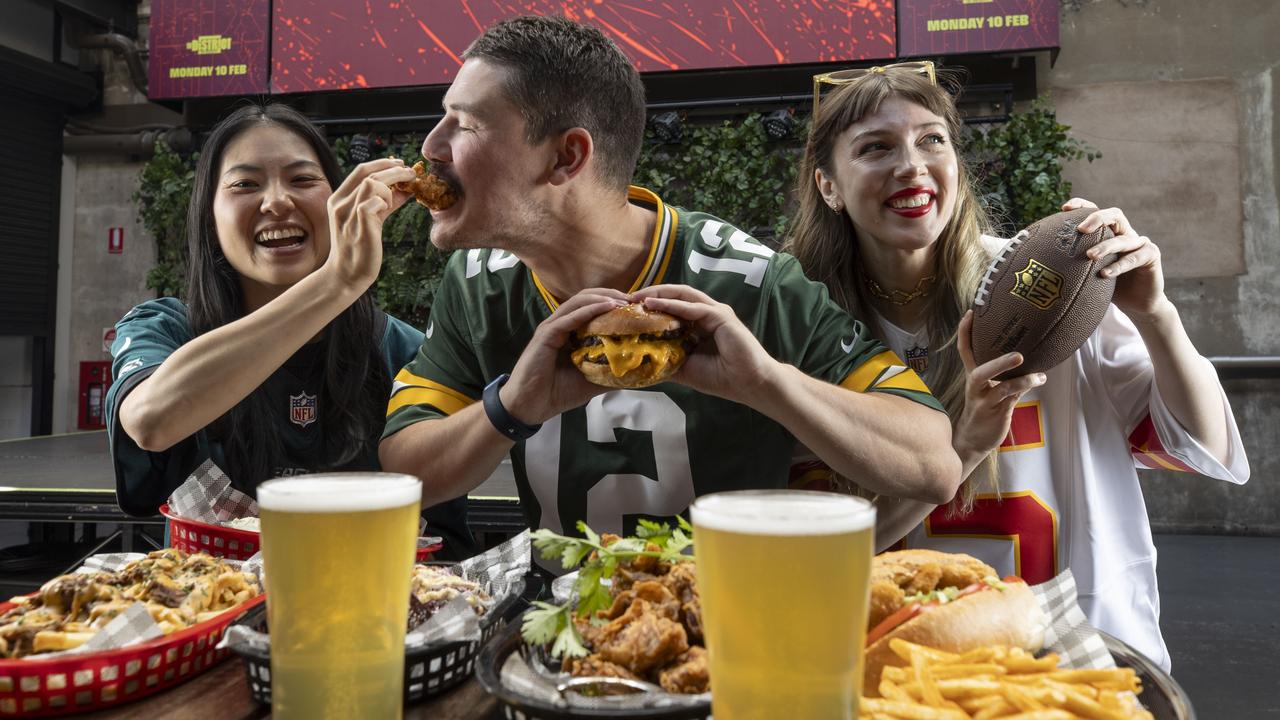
[[338, 553], [784, 581]]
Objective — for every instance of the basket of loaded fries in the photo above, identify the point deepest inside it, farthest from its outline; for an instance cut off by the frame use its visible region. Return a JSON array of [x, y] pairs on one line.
[[946, 638], [206, 514], [119, 628], [454, 609]]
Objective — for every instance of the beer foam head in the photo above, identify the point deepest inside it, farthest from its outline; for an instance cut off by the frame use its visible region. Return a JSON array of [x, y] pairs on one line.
[[339, 492], [782, 512]]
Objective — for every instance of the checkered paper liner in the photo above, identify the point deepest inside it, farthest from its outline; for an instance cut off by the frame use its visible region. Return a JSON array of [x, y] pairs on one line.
[[132, 626], [1069, 635], [499, 571], [207, 496]]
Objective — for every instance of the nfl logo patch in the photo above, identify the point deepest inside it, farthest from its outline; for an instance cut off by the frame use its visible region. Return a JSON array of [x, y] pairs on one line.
[[302, 409], [918, 359]]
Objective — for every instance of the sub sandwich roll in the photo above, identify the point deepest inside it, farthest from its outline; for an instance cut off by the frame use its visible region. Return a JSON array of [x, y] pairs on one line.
[[976, 610]]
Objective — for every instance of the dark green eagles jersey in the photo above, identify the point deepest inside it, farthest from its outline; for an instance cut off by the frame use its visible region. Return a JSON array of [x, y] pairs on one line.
[[629, 454], [149, 334]]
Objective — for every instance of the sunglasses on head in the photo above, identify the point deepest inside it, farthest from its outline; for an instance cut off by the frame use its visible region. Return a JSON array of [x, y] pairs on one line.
[[845, 77]]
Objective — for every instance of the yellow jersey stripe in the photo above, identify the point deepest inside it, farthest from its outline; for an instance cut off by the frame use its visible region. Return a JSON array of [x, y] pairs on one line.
[[671, 243], [409, 381], [861, 379], [448, 402], [905, 380], [547, 297]]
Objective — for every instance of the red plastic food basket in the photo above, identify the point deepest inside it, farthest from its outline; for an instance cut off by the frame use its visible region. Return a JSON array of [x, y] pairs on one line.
[[193, 536], [92, 681]]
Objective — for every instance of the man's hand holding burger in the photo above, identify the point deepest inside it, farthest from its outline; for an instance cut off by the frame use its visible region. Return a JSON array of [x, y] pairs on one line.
[[541, 387], [729, 361]]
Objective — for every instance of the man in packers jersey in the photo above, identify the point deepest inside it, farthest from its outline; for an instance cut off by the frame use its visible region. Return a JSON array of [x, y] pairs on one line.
[[541, 132]]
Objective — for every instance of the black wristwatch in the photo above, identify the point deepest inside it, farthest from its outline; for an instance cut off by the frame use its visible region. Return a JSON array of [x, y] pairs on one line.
[[498, 415]]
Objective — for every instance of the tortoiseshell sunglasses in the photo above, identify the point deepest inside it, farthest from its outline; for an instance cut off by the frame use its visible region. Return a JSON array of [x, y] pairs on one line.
[[844, 77]]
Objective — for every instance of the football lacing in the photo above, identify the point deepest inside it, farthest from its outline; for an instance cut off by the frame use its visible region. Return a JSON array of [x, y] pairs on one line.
[[984, 287]]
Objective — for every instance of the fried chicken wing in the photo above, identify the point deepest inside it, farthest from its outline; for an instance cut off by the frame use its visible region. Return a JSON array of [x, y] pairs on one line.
[[649, 641], [689, 673], [430, 190]]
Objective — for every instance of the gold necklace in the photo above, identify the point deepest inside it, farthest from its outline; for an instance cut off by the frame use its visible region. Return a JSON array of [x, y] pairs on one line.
[[900, 297]]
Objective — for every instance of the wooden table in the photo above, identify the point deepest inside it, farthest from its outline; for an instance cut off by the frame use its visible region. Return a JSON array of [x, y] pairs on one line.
[[223, 694]]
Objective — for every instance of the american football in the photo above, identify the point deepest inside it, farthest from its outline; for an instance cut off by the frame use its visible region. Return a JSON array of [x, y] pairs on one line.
[[1041, 295]]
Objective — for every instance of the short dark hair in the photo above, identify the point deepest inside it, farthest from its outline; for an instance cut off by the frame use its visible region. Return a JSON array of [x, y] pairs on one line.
[[563, 75]]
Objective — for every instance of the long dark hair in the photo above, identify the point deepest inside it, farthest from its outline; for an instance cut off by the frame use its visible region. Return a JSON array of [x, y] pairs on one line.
[[356, 380]]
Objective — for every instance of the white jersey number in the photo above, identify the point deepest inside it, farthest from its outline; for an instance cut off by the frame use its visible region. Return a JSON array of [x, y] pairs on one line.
[[751, 270], [618, 494]]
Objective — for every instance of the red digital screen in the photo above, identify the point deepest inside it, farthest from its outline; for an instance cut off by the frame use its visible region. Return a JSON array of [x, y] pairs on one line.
[[319, 45], [200, 48], [953, 27]]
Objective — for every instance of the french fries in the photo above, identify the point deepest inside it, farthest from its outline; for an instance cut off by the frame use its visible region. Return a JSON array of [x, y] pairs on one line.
[[998, 682], [177, 590]]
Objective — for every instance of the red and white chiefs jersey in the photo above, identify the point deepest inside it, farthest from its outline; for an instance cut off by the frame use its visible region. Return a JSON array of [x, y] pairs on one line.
[[1069, 493]]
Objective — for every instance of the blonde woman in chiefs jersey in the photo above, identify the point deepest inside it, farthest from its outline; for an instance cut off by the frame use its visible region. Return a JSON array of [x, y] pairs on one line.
[[889, 221]]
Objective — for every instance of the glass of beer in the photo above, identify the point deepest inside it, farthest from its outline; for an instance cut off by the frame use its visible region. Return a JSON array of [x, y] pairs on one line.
[[784, 577], [338, 552]]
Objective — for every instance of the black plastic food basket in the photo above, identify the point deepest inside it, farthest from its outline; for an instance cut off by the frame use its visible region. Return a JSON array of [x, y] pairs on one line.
[[427, 671]]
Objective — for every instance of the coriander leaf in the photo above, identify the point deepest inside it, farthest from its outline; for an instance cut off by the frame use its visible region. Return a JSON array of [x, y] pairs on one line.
[[674, 550], [550, 544], [592, 537], [592, 594], [569, 643], [684, 524], [626, 547], [574, 554], [543, 623], [646, 529]]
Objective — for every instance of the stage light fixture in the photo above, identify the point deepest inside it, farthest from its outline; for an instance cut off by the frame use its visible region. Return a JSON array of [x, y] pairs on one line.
[[667, 127], [360, 149], [779, 124]]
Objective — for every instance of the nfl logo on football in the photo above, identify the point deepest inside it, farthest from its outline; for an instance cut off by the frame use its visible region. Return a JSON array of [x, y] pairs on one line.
[[302, 409], [1038, 284]]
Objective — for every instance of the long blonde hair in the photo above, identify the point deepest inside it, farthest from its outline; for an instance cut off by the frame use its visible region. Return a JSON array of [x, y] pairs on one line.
[[826, 242]]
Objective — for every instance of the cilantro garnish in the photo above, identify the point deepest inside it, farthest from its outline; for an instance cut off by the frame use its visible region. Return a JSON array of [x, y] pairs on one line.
[[549, 623]]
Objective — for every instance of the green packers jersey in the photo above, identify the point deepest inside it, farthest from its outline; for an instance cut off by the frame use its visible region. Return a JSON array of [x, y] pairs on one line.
[[629, 454]]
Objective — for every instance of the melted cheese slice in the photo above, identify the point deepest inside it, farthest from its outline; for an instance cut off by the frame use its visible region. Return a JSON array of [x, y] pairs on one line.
[[627, 353]]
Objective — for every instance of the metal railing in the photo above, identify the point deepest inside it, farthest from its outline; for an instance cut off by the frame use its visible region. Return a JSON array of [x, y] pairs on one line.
[[1251, 367]]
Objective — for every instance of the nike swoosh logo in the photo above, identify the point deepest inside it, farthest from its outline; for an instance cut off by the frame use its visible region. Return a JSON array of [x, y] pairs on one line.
[[431, 327], [847, 348]]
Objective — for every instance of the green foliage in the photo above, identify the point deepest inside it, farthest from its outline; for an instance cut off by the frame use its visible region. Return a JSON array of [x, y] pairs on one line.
[[164, 191], [1018, 165], [411, 265], [731, 170]]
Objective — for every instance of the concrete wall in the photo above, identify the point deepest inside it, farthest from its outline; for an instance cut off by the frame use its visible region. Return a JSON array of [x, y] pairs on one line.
[[102, 286], [1192, 129], [15, 387]]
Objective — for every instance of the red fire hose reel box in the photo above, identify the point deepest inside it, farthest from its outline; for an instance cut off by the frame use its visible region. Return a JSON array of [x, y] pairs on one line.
[[95, 380]]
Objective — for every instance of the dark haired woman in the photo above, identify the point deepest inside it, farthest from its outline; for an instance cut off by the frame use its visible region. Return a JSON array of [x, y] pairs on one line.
[[279, 362]]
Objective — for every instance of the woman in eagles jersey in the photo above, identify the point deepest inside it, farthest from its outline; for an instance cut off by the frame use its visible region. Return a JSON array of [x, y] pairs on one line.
[[278, 362], [889, 221]]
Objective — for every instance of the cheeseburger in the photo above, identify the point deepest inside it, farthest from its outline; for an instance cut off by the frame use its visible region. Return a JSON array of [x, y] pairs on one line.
[[631, 347]]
